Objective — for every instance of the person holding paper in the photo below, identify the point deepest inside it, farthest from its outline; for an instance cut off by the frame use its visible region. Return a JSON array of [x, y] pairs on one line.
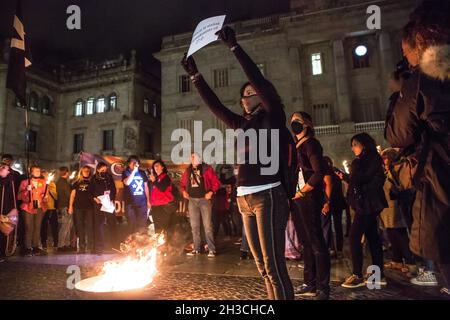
[[307, 209], [261, 197], [102, 184]]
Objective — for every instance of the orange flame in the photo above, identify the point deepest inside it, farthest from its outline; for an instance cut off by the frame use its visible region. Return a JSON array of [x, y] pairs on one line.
[[136, 271]]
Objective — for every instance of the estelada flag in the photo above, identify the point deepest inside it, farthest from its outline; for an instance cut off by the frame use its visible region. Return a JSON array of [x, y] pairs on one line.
[[19, 58]]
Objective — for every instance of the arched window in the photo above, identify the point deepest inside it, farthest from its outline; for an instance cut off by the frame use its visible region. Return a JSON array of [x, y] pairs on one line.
[[34, 101], [90, 106], [154, 110], [45, 105], [112, 101], [146, 106], [78, 108], [100, 105]]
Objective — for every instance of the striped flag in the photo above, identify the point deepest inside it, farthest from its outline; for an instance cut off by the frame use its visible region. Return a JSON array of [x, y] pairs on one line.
[[19, 58]]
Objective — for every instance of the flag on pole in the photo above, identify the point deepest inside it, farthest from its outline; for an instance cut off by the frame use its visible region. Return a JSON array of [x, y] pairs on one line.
[[19, 57]]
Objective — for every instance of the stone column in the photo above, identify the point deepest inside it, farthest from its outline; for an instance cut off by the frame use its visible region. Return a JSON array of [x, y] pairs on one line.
[[344, 110], [387, 64]]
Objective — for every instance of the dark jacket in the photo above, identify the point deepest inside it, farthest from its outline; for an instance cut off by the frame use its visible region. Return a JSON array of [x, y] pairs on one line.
[[269, 116], [310, 160], [101, 184], [63, 189], [366, 181], [420, 122]]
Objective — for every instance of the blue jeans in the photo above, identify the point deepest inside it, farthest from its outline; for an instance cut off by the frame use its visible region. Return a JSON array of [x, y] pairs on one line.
[[137, 218], [200, 210], [265, 217]]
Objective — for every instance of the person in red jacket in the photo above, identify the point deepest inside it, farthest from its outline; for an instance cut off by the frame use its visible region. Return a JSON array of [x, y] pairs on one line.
[[34, 204], [198, 184], [162, 201]]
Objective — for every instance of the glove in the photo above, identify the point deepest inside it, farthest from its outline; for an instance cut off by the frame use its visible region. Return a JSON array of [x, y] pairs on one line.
[[228, 36], [189, 65]]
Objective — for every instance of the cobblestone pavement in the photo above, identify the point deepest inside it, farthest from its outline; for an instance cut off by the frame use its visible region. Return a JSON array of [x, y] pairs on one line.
[[22, 280]]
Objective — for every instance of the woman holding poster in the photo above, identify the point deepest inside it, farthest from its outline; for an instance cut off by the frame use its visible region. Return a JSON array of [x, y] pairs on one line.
[[262, 197]]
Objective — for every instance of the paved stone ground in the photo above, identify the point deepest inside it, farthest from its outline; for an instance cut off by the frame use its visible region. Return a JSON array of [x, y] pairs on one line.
[[181, 278]]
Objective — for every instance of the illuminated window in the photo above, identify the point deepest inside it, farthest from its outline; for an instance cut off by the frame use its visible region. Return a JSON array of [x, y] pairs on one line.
[[100, 105], [146, 106], [79, 108], [316, 63], [90, 106], [112, 102]]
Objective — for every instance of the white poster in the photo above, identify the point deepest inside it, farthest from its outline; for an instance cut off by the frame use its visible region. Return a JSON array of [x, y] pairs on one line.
[[204, 33]]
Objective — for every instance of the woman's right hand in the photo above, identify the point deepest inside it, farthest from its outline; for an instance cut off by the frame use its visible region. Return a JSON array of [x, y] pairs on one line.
[[189, 65], [97, 200]]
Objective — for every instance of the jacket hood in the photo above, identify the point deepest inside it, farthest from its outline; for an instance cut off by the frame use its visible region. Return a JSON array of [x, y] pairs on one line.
[[435, 62]]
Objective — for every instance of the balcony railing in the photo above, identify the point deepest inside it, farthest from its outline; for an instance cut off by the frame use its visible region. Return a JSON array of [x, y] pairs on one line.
[[325, 130], [358, 127], [369, 126]]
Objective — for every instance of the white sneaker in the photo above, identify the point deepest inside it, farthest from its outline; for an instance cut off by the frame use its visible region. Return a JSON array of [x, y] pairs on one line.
[[211, 254], [426, 278]]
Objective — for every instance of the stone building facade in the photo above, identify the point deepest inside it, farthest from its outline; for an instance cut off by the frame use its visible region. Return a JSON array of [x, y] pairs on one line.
[[321, 57], [109, 107]]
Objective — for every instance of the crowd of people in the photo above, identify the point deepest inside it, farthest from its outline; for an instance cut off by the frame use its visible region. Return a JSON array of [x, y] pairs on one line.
[[397, 198]]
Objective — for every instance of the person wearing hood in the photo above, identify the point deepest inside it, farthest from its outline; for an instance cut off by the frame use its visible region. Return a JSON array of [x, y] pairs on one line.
[[419, 121], [307, 208], [261, 196]]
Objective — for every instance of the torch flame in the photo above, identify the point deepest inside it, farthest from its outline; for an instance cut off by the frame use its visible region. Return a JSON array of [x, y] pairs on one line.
[[136, 271], [50, 178], [345, 164]]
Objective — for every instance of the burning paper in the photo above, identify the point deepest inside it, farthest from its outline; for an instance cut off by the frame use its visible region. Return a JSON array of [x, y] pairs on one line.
[[135, 271]]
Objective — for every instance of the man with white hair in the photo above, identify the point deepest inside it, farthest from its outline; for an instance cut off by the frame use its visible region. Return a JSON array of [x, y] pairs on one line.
[[198, 184]]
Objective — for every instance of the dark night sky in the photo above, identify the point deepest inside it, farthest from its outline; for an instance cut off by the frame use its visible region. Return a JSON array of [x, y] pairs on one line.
[[109, 27]]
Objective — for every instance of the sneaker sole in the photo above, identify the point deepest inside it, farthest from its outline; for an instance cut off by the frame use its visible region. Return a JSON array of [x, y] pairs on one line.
[[307, 294], [425, 284], [353, 286]]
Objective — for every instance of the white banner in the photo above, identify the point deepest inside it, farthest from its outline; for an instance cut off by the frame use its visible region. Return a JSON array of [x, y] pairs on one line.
[[204, 33]]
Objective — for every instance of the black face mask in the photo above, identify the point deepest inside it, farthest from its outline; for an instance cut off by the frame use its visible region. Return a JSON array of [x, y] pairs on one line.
[[296, 127], [102, 174]]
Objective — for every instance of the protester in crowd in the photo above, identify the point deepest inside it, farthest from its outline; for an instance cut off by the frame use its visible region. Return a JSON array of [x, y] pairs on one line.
[[136, 195], [325, 217], [51, 215], [307, 209], [366, 197], [163, 203], [222, 206], [336, 205], [17, 177], [81, 206], [392, 219], [419, 121], [7, 202], [261, 198], [102, 184], [63, 190], [198, 184], [32, 193]]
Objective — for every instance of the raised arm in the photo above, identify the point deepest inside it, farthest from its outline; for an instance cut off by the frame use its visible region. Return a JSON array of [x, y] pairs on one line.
[[270, 99], [230, 118]]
